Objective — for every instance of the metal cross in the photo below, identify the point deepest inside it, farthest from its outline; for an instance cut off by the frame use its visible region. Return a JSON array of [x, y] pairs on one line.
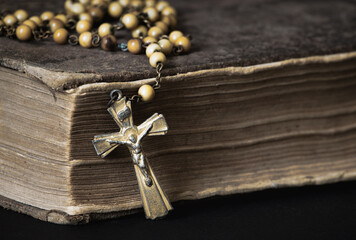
[[154, 200]]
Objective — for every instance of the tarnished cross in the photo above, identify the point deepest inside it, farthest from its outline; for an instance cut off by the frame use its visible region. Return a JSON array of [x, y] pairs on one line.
[[154, 200]]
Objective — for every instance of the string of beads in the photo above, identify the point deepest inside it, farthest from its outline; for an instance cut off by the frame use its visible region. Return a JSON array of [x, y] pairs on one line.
[[95, 23]]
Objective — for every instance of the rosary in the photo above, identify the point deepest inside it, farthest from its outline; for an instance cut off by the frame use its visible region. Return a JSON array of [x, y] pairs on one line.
[[152, 27]]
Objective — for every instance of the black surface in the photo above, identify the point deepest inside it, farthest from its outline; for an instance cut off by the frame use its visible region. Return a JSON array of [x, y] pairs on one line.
[[314, 212]]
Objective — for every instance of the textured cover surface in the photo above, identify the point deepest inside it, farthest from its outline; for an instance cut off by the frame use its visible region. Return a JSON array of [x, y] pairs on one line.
[[225, 33]]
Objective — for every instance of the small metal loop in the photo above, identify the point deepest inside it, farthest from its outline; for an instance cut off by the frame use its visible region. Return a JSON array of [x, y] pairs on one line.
[[96, 39], [71, 24], [115, 95], [73, 40], [10, 32], [177, 50], [118, 26], [164, 37], [135, 98], [158, 79]]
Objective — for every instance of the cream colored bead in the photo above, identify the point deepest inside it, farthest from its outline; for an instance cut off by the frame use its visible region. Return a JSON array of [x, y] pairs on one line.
[[55, 24], [157, 57], [98, 3], [169, 11], [170, 21], [47, 15], [124, 3], [140, 31], [184, 42], [85, 39], [149, 40], [85, 2], [166, 46], [152, 13], [134, 46], [61, 36], [161, 5], [10, 20], [150, 3], [153, 47], [21, 15], [96, 13], [105, 29], [137, 4], [61, 17], [86, 16], [146, 92], [37, 20], [83, 26], [155, 32], [130, 21], [173, 36], [30, 23], [23, 32], [162, 26], [115, 10], [77, 8]]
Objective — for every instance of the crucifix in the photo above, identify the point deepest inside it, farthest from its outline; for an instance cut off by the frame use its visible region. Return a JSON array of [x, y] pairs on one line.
[[154, 200]]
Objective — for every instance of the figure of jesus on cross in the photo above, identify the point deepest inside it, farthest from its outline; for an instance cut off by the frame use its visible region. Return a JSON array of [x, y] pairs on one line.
[[154, 200]]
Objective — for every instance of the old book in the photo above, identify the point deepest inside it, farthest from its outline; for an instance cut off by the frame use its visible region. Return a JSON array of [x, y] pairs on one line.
[[265, 99]]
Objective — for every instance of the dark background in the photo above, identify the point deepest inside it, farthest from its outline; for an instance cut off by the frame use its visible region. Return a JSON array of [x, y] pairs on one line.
[[312, 212]]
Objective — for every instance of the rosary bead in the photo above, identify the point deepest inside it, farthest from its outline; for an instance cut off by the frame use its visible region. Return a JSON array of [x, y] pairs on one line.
[[148, 40], [23, 32], [37, 20], [173, 36], [170, 21], [61, 36], [108, 42], [162, 26], [55, 24], [85, 2], [155, 32], [157, 57], [153, 47], [46, 16], [137, 4], [85, 39], [140, 31], [150, 3], [61, 17], [10, 20], [169, 11], [130, 21], [134, 46], [166, 46], [30, 23], [96, 13], [86, 16], [124, 3], [77, 8], [161, 5], [98, 3], [21, 15], [152, 13], [105, 29], [146, 92], [115, 10], [184, 42], [83, 26]]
